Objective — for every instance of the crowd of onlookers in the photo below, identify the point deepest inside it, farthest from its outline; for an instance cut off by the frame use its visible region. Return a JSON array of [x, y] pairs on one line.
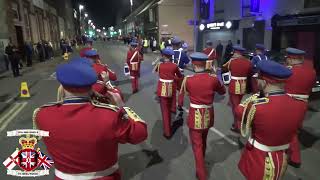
[[151, 43], [16, 56]]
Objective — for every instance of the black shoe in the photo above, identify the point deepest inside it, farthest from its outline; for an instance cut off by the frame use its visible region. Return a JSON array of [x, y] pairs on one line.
[[294, 164], [235, 130], [167, 137]]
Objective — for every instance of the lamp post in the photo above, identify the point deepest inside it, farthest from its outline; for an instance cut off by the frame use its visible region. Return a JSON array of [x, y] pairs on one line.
[[81, 7], [131, 4]]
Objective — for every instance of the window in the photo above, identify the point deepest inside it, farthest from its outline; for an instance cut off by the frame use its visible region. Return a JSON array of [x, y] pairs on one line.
[[151, 15], [27, 22], [15, 9]]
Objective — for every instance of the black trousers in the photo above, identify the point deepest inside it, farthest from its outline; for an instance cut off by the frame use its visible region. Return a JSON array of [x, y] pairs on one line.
[[7, 62], [15, 67], [29, 60]]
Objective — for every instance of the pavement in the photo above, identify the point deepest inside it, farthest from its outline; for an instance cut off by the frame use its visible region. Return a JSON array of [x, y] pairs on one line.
[[156, 158]]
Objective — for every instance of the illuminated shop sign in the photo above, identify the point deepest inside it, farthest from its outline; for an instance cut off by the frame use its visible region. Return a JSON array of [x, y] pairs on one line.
[[219, 25]]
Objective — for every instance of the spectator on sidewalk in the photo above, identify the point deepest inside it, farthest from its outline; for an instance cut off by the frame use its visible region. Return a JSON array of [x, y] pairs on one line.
[[46, 49], [228, 54], [41, 53], [50, 50], [219, 50], [154, 44], [14, 57], [28, 53]]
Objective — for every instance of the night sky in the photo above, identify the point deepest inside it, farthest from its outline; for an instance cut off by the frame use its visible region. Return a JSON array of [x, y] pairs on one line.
[[107, 12]]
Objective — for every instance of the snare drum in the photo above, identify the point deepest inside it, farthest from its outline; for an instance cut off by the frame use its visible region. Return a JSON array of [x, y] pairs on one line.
[[226, 77]]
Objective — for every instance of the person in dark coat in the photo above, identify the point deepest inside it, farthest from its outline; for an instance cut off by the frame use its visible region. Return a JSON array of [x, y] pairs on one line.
[[28, 53], [14, 57], [41, 53], [228, 53], [219, 50]]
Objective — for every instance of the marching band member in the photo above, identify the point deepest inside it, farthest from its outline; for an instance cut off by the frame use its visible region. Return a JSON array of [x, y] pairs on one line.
[[134, 59], [84, 134], [181, 59], [240, 68], [211, 64], [201, 89], [103, 90], [168, 72], [273, 119], [298, 86], [259, 56], [89, 47]]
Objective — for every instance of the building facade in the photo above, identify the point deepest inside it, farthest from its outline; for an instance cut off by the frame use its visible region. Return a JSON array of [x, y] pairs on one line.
[[35, 20], [276, 24], [159, 18]]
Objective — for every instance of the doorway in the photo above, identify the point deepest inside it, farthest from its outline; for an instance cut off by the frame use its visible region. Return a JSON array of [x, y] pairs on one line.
[[20, 41]]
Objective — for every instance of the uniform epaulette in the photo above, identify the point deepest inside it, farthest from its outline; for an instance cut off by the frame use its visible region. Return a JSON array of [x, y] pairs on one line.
[[50, 104], [133, 115], [249, 99], [156, 67], [213, 75], [104, 105], [183, 84], [290, 67], [258, 101]]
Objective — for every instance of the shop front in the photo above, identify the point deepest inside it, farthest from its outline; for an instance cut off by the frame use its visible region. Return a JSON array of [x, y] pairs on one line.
[[299, 31], [219, 30], [302, 32]]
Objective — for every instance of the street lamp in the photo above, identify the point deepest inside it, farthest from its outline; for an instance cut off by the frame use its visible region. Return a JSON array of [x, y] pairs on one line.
[[103, 28], [89, 22], [131, 4], [86, 15], [81, 7]]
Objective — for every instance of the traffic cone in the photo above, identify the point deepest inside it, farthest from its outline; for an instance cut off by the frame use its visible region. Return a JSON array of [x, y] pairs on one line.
[[24, 90], [65, 56]]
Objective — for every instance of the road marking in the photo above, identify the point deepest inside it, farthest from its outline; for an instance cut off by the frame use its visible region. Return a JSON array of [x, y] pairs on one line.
[[219, 133], [53, 76], [14, 111], [9, 100]]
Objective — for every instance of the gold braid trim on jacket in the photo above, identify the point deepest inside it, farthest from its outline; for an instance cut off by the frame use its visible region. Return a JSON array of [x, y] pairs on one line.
[[183, 85], [249, 112]]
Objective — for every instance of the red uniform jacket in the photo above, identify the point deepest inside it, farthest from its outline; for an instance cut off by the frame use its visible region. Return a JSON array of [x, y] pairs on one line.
[[302, 80], [201, 89], [83, 50], [134, 61], [84, 137], [275, 121], [211, 52], [240, 69], [168, 72], [99, 68]]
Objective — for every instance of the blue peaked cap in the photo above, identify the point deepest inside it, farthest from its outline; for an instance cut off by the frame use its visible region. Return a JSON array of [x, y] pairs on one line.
[[274, 69], [77, 75], [80, 60], [90, 53], [199, 56], [295, 51], [238, 48], [168, 52], [260, 46], [176, 40]]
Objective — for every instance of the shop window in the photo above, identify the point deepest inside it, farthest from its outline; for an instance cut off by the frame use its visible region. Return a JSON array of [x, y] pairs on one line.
[[15, 9], [311, 3], [151, 15]]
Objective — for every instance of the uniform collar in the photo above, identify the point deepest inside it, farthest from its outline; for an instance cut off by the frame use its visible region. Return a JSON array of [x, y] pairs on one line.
[[75, 99], [276, 93]]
